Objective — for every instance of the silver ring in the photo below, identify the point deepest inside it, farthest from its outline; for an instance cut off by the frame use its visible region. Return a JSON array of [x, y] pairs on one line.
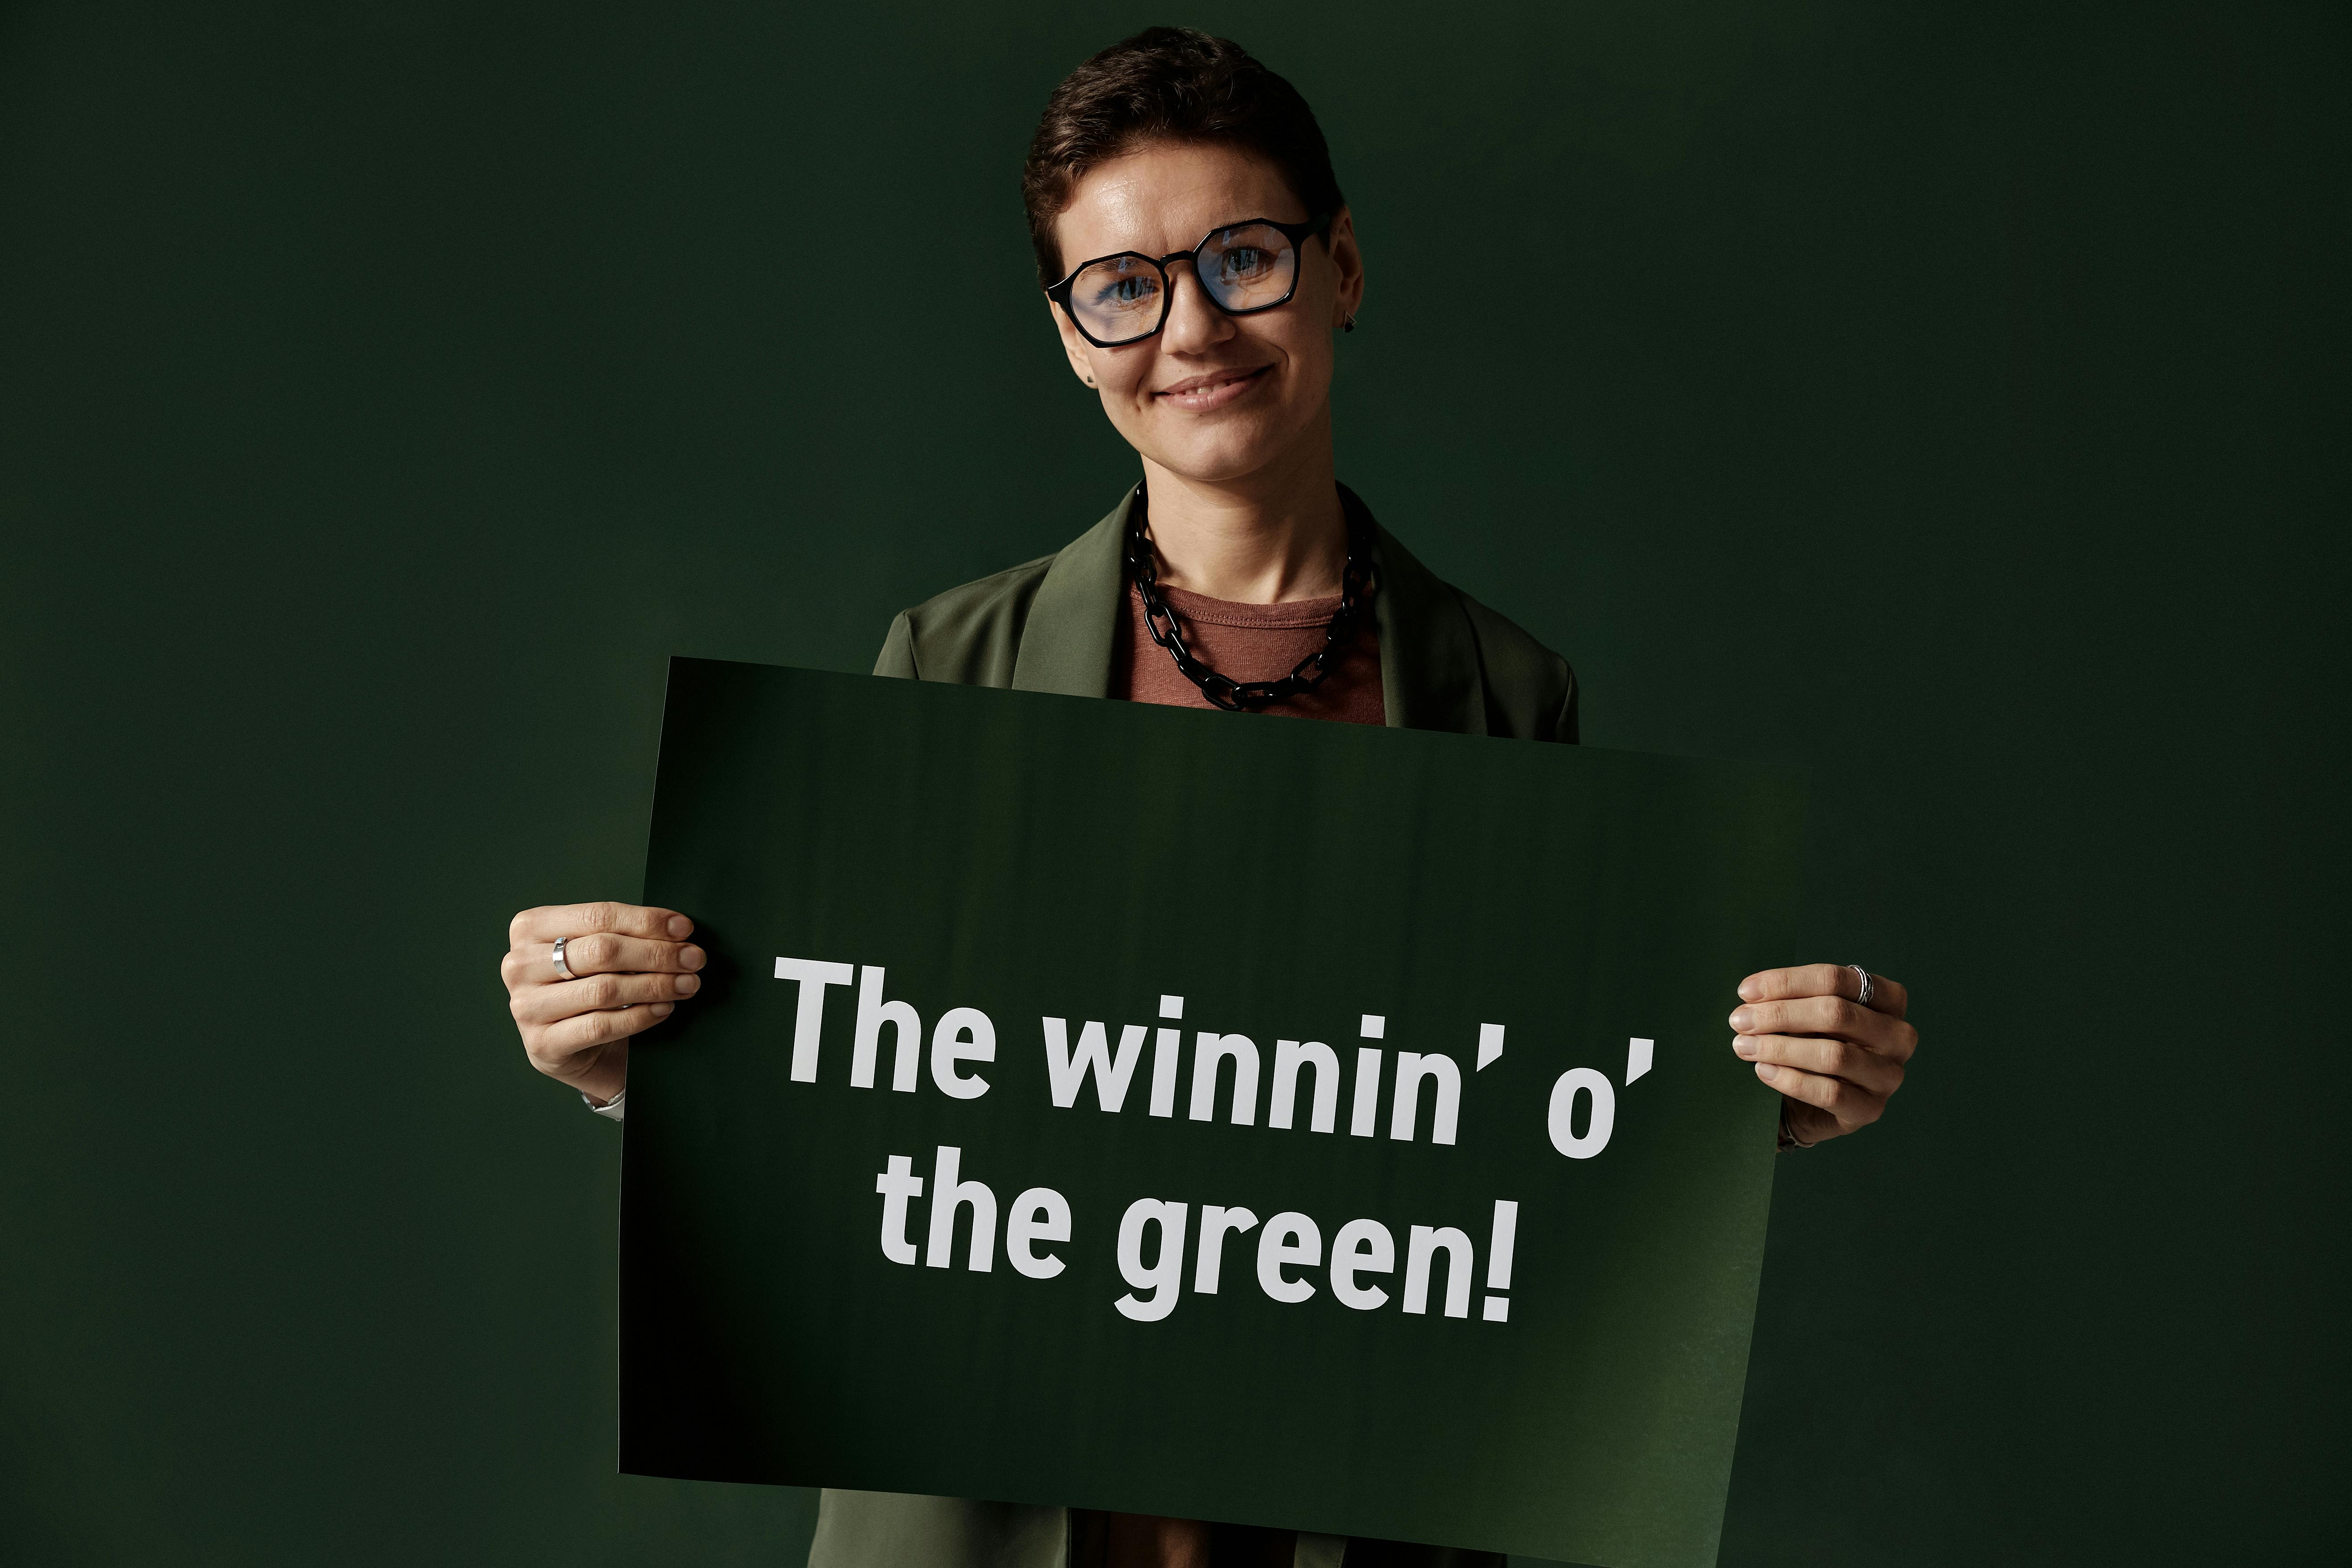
[[565, 970], [1860, 973]]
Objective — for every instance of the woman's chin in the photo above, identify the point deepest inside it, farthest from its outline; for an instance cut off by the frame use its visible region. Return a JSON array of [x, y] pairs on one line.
[[1232, 456]]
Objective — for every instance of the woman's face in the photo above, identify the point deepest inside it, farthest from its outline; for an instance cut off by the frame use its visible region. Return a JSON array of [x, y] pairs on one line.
[[1211, 397]]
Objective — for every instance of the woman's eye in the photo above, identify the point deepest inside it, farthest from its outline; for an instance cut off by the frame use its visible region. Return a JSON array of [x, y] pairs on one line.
[[1124, 293], [1244, 261]]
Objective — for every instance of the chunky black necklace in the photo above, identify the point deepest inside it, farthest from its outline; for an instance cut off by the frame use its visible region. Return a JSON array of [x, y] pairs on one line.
[[1357, 585]]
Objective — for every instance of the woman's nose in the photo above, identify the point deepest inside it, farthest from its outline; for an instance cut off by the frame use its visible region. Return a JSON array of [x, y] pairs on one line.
[[1194, 322]]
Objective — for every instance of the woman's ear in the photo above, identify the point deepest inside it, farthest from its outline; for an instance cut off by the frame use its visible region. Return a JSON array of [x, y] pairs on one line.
[[1348, 262], [1073, 345]]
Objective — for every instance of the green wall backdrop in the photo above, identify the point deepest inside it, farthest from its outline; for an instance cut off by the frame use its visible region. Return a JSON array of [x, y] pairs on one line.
[[1948, 398]]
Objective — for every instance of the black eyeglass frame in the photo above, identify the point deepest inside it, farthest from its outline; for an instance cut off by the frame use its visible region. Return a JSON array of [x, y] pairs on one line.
[[1299, 233]]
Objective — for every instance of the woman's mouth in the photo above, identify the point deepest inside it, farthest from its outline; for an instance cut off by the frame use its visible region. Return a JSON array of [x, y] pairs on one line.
[[1199, 394]]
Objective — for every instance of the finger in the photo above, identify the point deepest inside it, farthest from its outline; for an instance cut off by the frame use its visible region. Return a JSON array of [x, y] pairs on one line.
[[598, 994], [1804, 980], [1809, 1124], [549, 921], [1886, 995], [553, 1046], [1828, 1057], [534, 963], [1831, 1016], [1851, 1107]]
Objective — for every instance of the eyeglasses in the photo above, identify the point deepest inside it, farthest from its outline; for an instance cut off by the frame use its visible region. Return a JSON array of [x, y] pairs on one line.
[[1243, 267]]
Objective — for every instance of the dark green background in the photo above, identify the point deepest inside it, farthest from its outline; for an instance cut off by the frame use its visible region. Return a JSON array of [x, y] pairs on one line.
[[1025, 854], [1948, 398]]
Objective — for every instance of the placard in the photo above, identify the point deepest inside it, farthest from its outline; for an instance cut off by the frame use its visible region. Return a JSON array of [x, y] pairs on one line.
[[1286, 1124]]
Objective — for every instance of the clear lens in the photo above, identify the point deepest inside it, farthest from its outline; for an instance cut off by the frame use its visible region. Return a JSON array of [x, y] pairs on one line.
[[1118, 299], [1248, 268]]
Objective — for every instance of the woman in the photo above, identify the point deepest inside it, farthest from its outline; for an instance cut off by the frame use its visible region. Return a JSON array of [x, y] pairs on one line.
[[1199, 263]]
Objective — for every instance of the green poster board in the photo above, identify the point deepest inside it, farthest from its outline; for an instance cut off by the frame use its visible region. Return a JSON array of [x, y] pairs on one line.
[[1340, 1123]]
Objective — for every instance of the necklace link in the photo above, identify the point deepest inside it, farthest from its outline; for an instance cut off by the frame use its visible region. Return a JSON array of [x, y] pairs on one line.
[[1357, 586]]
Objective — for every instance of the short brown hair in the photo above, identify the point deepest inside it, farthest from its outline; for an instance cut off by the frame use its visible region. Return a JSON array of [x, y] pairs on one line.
[[1168, 84]]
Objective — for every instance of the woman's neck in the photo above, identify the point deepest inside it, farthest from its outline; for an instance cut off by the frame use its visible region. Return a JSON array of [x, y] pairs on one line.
[[1272, 537]]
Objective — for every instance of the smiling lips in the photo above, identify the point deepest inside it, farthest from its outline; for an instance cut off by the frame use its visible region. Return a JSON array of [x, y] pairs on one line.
[[1198, 393]]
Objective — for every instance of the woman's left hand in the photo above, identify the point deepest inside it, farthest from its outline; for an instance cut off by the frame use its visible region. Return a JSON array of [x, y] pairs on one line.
[[1835, 1059]]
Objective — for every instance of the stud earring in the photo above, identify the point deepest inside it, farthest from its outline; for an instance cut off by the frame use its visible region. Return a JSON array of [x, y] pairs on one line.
[[1349, 324], [1089, 380]]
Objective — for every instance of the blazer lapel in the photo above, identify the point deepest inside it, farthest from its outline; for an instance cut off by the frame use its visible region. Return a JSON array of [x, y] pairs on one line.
[[1066, 643], [1430, 675]]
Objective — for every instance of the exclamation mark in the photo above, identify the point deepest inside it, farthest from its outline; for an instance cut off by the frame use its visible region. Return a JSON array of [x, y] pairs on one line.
[[1497, 1309]]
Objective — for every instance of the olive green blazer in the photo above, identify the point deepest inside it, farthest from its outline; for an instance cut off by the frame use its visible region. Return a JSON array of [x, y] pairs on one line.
[[1447, 662]]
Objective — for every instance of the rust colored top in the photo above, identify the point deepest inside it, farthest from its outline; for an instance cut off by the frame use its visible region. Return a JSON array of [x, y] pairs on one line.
[[1248, 642]]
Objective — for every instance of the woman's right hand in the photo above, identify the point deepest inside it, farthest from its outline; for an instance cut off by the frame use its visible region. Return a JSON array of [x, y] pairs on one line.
[[633, 966]]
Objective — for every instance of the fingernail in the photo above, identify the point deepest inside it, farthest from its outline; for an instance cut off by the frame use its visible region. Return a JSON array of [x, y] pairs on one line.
[[691, 956], [1749, 990], [1767, 1071], [663, 1009], [1744, 1046], [680, 927], [1741, 1018], [688, 985]]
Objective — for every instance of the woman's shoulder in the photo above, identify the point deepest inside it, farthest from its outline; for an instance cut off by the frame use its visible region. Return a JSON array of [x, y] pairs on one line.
[[1061, 607], [1486, 674], [969, 634], [1531, 689]]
